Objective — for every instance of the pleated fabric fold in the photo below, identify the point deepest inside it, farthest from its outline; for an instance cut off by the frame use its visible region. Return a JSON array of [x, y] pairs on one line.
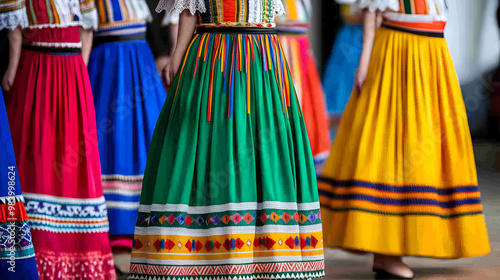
[[401, 177], [310, 94]]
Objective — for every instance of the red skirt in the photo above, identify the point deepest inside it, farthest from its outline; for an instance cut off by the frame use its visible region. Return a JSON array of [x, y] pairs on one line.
[[52, 120]]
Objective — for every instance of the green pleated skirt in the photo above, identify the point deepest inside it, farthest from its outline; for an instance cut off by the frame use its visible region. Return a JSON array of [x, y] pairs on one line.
[[230, 187]]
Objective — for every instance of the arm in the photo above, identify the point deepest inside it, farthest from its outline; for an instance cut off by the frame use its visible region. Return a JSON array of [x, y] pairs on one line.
[[88, 23], [86, 38], [174, 29], [13, 17], [162, 61], [15, 44], [369, 27], [379, 19], [187, 25]]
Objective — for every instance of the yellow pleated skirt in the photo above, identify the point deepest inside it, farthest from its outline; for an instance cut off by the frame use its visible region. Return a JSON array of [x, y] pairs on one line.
[[401, 178]]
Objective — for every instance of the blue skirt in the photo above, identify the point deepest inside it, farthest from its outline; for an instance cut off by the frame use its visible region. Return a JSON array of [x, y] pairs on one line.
[[17, 256], [128, 96], [339, 73]]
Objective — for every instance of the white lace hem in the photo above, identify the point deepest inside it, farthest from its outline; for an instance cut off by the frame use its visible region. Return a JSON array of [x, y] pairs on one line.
[[88, 20], [381, 5], [57, 45], [11, 20], [177, 6]]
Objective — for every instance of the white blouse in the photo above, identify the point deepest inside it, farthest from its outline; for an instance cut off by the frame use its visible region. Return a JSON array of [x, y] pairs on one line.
[[252, 11]]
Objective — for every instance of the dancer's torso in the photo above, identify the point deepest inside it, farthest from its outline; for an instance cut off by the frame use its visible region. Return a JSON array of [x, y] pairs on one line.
[[416, 10], [122, 18], [58, 13], [54, 24], [241, 13], [427, 16]]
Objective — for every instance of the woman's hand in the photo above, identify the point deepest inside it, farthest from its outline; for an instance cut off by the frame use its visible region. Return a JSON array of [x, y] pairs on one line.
[[8, 79], [171, 69], [369, 26], [15, 46]]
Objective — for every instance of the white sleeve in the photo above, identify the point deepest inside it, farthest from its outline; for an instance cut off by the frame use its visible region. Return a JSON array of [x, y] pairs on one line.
[[177, 6], [13, 15], [87, 14], [381, 5]]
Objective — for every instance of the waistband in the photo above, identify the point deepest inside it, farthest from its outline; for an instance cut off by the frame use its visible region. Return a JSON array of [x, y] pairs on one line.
[[99, 40], [293, 29], [429, 29], [235, 30]]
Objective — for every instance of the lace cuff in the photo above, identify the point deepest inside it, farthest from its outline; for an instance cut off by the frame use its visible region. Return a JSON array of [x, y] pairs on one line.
[[11, 20], [86, 13], [88, 20], [177, 6], [381, 5]]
